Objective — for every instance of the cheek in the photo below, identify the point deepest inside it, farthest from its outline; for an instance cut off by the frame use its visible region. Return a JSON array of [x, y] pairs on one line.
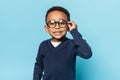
[[50, 30], [66, 29]]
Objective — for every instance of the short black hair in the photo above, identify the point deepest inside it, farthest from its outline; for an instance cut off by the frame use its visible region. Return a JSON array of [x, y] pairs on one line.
[[58, 8]]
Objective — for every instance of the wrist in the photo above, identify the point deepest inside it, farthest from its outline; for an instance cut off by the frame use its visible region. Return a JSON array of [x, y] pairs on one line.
[[75, 33]]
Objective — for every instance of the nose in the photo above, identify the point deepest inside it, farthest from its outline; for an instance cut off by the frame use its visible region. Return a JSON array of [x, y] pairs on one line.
[[57, 26]]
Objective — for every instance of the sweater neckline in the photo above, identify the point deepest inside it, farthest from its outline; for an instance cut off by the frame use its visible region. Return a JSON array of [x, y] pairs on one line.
[[58, 47], [55, 44]]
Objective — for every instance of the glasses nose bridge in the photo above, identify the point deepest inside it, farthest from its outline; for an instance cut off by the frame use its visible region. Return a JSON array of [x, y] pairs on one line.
[[57, 25]]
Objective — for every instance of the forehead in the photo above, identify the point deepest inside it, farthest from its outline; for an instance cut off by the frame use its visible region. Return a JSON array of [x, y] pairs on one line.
[[56, 15]]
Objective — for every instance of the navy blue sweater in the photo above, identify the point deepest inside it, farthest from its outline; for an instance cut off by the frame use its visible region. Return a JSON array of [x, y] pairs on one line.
[[58, 63]]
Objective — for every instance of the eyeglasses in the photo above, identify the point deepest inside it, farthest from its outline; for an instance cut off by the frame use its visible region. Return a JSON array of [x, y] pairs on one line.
[[52, 23]]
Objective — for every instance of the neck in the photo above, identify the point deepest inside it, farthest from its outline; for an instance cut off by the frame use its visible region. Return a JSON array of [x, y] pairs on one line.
[[57, 40]]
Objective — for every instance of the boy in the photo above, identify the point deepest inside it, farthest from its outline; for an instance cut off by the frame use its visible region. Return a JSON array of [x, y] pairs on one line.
[[57, 56]]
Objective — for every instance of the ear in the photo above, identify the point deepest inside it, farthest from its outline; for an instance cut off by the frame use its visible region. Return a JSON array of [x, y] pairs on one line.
[[46, 28], [68, 29]]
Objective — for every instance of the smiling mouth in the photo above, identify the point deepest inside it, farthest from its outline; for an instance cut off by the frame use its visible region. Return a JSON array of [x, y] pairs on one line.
[[58, 32]]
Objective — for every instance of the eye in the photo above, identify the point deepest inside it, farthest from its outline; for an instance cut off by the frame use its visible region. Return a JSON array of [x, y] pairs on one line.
[[62, 22], [51, 22]]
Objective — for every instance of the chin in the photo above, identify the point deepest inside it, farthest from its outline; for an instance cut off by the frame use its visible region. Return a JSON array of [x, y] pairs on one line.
[[59, 38]]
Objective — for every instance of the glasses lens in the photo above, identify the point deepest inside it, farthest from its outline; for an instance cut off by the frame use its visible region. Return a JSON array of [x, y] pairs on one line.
[[62, 23], [51, 23]]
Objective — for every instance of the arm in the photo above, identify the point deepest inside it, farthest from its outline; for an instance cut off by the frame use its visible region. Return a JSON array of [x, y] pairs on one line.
[[38, 68], [82, 48]]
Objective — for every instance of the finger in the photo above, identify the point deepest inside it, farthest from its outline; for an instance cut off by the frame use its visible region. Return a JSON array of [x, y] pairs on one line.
[[70, 24]]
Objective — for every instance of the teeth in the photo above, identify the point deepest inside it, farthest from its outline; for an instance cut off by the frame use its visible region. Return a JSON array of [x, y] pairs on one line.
[[58, 32]]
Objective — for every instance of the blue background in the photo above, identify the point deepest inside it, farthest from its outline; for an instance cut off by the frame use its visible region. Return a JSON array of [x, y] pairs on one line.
[[21, 31]]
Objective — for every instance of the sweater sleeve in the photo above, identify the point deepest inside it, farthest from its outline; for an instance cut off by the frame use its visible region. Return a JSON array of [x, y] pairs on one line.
[[82, 48], [38, 67]]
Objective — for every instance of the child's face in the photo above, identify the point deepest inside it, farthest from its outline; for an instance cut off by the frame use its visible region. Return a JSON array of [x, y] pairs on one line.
[[56, 25]]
